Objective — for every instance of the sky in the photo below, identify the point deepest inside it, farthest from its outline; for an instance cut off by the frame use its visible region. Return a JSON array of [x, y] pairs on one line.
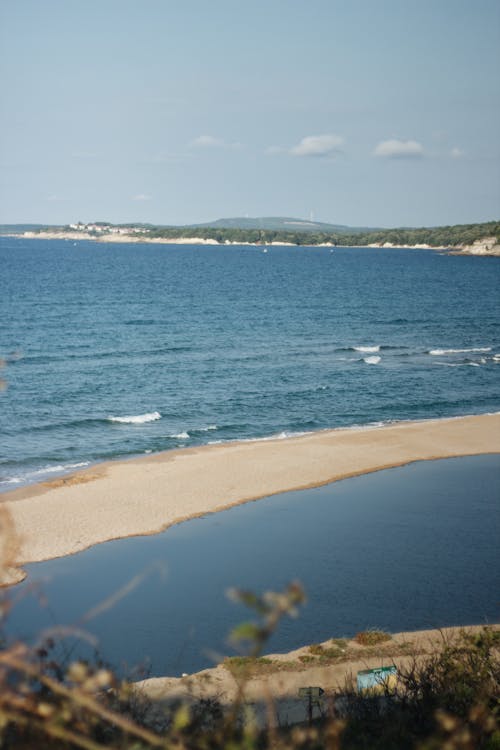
[[353, 112]]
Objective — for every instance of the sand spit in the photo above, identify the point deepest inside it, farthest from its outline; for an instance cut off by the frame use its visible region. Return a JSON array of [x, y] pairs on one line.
[[272, 689], [146, 495]]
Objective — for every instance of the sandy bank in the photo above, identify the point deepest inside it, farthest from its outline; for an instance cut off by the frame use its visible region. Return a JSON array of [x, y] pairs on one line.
[[272, 689], [145, 495]]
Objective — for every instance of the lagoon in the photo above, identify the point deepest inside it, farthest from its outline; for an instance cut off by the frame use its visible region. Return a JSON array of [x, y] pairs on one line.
[[401, 549]]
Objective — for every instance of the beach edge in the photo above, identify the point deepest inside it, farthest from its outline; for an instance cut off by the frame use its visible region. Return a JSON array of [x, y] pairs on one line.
[[146, 495]]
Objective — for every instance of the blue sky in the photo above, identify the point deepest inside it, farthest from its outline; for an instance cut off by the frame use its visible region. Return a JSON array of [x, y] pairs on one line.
[[356, 112]]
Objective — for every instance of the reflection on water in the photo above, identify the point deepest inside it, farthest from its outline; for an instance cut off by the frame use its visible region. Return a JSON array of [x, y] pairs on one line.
[[407, 548]]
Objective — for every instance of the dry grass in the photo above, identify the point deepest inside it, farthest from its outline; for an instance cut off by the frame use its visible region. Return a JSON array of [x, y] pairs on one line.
[[372, 637]]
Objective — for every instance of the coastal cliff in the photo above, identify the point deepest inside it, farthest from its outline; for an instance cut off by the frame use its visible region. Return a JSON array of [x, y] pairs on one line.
[[484, 246]]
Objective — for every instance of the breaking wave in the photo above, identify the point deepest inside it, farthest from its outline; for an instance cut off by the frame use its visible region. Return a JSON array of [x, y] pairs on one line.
[[458, 364], [138, 419], [38, 473], [366, 349], [186, 434], [442, 352], [372, 360]]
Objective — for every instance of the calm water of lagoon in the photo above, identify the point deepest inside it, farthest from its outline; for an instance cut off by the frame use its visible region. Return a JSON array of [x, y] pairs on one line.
[[402, 549]]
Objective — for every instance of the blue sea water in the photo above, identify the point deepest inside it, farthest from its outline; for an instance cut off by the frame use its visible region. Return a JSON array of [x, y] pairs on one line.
[[120, 350]]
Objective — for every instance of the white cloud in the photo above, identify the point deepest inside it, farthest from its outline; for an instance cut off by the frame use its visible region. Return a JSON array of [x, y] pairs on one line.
[[396, 149], [210, 141], [456, 153], [318, 145], [141, 197]]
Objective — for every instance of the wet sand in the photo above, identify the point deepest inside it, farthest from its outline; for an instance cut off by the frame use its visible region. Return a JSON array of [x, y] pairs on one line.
[[146, 495]]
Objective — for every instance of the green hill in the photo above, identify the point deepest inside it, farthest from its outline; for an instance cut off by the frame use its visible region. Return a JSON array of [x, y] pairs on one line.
[[278, 224]]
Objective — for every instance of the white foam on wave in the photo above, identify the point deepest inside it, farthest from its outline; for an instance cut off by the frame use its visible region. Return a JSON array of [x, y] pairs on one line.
[[137, 419], [56, 469], [372, 360], [59, 467], [442, 352], [185, 435], [289, 434], [284, 435], [458, 364], [366, 349], [367, 426], [347, 428]]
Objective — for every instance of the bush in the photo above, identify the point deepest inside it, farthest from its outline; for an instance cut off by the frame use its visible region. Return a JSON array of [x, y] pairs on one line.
[[448, 699], [372, 637]]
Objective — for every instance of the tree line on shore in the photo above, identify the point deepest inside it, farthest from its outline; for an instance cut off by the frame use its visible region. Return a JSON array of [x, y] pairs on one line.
[[445, 236]]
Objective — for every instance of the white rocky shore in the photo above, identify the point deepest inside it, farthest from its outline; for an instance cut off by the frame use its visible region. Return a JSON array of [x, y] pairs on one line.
[[485, 246]]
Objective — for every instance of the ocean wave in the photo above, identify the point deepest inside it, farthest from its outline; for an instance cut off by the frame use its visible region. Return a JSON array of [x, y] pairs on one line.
[[442, 352], [372, 360], [283, 435], [366, 349], [286, 434], [398, 350], [138, 419], [56, 469], [458, 364], [186, 434], [60, 467], [367, 426]]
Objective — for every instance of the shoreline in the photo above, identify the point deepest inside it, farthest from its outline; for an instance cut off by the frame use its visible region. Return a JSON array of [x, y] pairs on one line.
[[479, 248], [276, 682], [145, 495]]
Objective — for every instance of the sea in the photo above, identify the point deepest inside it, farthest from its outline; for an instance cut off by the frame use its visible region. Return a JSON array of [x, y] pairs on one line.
[[119, 350], [113, 351]]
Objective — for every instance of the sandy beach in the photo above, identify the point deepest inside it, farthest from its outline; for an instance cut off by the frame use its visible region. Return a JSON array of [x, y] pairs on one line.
[[146, 495], [273, 689]]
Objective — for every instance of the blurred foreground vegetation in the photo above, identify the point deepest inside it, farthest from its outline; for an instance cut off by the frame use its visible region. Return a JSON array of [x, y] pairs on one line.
[[446, 700]]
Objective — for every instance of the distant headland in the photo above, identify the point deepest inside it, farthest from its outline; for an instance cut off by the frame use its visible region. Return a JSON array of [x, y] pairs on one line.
[[467, 239]]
